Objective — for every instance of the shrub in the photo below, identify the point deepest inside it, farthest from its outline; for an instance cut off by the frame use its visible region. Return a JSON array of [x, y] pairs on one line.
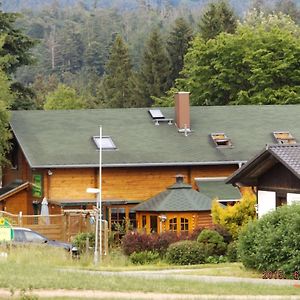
[[235, 217], [272, 242], [194, 235], [80, 240], [144, 257], [223, 232], [185, 253], [215, 259], [163, 241], [136, 242], [231, 252], [212, 242]]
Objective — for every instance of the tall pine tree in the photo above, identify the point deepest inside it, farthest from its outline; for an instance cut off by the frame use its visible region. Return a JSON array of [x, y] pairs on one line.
[[218, 18], [177, 45], [114, 90], [154, 78]]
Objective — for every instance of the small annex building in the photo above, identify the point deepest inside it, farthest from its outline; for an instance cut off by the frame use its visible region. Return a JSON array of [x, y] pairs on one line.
[[179, 209], [274, 174]]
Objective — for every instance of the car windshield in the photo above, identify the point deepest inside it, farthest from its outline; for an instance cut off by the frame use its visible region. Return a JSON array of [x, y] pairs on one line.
[[28, 236]]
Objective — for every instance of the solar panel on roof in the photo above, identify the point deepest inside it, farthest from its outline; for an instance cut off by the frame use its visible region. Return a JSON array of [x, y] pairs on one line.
[[156, 114]]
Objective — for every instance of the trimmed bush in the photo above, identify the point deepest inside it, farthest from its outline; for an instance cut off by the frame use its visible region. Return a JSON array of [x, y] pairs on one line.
[[163, 241], [194, 235], [185, 253], [231, 252], [212, 242], [223, 232], [272, 243], [144, 257], [136, 242]]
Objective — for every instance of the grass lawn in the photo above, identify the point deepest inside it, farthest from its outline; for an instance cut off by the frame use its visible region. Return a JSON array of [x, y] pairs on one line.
[[40, 268]]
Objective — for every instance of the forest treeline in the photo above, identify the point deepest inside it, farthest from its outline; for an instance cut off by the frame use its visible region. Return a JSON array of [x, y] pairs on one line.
[[96, 54]]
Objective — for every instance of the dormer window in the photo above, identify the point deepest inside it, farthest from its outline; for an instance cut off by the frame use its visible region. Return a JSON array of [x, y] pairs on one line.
[[221, 140], [106, 143], [284, 137]]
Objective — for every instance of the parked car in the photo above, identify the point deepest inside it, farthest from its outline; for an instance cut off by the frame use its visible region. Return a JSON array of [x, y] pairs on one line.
[[26, 235]]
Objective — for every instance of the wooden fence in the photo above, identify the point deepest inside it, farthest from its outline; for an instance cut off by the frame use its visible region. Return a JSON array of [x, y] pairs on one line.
[[62, 227]]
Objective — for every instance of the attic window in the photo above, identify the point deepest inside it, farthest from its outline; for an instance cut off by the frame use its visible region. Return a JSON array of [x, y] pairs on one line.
[[221, 140], [107, 143], [284, 137], [156, 113]]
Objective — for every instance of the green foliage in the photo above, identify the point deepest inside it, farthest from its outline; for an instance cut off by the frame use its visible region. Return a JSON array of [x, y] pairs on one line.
[[212, 242], [154, 77], [177, 45], [234, 218], [185, 253], [80, 240], [258, 64], [272, 242], [215, 259], [115, 90], [16, 44], [218, 18], [231, 252], [144, 257], [63, 97]]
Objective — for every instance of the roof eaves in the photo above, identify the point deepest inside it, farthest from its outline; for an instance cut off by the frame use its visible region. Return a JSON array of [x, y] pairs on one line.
[[116, 165], [15, 190], [21, 146], [232, 178]]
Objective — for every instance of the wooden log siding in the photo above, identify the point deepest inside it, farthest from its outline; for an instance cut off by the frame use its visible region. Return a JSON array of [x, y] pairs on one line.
[[195, 220], [123, 183]]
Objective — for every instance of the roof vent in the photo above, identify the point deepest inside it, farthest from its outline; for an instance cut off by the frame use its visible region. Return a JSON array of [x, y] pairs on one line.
[[158, 116], [179, 178], [221, 140], [284, 137]]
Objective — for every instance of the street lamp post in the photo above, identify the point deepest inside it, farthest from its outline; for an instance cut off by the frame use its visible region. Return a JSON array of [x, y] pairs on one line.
[[98, 191]]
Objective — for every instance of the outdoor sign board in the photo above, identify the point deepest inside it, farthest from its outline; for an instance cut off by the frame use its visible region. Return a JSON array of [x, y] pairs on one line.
[[37, 186], [6, 231]]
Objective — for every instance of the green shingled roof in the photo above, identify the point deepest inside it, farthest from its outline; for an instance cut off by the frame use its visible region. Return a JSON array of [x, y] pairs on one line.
[[218, 189], [178, 197], [64, 138]]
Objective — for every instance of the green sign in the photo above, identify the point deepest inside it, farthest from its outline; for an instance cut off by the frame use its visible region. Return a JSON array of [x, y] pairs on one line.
[[6, 231], [37, 186]]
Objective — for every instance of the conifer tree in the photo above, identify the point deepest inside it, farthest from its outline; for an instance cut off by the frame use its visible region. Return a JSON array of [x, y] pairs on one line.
[[114, 88], [218, 18], [154, 76], [177, 45]]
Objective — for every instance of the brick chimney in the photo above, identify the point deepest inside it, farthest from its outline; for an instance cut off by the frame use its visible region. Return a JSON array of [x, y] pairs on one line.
[[182, 111]]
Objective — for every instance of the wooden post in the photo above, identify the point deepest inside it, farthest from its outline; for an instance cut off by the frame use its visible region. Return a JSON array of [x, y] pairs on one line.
[[20, 221]]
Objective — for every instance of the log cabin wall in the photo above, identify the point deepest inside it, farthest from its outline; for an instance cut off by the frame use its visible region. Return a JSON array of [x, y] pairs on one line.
[[123, 183], [194, 219], [18, 202]]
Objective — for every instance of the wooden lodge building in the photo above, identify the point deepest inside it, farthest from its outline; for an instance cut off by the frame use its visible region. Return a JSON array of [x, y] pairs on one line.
[[55, 155]]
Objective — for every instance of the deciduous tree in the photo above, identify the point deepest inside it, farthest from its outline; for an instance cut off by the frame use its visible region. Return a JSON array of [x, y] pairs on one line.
[[63, 97]]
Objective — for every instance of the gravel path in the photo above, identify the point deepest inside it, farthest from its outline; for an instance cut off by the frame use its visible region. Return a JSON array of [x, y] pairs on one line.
[[175, 274], [88, 294]]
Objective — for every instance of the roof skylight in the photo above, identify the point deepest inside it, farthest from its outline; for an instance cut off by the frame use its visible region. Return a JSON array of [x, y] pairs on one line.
[[221, 140], [284, 137], [106, 143], [156, 113]]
